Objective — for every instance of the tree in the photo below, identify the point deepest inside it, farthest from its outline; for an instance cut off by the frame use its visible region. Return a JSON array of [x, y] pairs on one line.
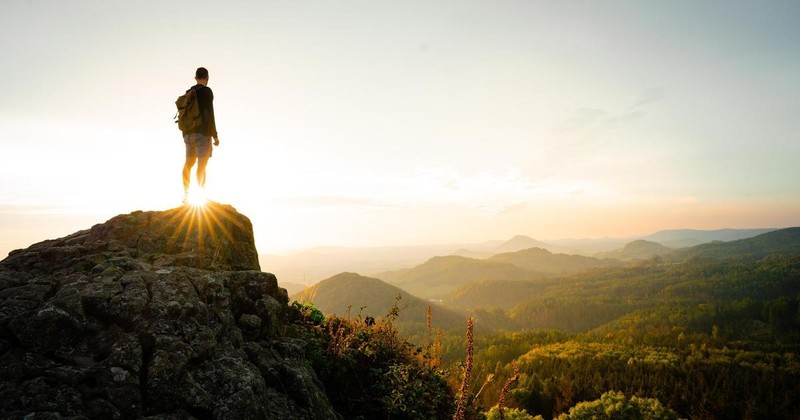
[[510, 414], [616, 406]]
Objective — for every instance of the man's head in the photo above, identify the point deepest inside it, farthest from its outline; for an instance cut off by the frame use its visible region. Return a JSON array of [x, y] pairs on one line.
[[201, 75]]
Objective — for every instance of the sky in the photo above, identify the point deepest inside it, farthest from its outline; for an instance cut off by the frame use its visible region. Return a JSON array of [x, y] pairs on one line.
[[363, 123]]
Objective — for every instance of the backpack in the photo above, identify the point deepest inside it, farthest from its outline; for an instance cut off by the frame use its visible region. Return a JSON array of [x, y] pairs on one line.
[[188, 115]]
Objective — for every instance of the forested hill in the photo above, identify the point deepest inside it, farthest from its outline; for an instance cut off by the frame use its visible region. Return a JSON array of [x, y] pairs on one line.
[[710, 338], [518, 243], [782, 241], [684, 238], [544, 261], [437, 277], [760, 270], [355, 294], [639, 249]]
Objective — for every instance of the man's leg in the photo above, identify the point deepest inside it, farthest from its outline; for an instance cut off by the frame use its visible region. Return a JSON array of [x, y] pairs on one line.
[[187, 170], [201, 171]]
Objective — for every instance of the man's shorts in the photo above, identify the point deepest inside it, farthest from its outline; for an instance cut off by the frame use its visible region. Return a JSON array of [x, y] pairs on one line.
[[197, 145]]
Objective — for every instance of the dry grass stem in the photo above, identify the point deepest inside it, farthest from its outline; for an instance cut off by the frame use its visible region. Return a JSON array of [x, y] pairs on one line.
[[507, 387], [464, 393]]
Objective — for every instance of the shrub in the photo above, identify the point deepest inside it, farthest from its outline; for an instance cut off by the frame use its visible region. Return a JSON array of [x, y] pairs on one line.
[[370, 372], [616, 406], [509, 414], [309, 312]]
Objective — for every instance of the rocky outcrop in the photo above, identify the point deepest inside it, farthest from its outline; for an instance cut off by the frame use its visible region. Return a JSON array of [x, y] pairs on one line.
[[151, 314], [215, 236]]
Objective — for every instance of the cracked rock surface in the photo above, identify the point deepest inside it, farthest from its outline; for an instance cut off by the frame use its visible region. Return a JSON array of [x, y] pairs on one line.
[[151, 315]]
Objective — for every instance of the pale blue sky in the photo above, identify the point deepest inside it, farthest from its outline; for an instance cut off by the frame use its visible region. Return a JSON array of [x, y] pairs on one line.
[[377, 122]]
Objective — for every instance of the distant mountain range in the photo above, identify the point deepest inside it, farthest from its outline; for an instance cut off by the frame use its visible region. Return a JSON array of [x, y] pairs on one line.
[[638, 249], [537, 288], [349, 292], [519, 243], [312, 265], [783, 241], [505, 294], [543, 261], [437, 277], [682, 238], [514, 244]]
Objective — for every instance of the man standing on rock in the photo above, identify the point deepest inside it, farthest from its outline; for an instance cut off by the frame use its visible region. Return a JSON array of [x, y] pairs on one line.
[[198, 140]]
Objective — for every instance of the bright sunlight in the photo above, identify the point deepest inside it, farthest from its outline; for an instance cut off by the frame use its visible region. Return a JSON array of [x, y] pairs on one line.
[[197, 197]]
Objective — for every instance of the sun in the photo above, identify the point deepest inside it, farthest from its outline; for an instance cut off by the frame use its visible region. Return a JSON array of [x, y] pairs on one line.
[[196, 197]]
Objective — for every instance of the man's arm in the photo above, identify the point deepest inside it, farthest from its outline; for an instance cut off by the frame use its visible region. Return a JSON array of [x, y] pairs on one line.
[[213, 123], [211, 127]]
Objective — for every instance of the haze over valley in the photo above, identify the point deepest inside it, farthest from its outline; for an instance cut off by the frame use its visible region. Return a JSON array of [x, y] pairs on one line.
[[303, 268]]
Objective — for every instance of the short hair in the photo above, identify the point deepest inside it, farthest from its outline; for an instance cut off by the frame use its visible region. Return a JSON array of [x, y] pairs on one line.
[[201, 73]]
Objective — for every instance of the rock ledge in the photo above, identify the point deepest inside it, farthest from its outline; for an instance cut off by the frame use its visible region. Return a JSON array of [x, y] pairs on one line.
[[151, 314]]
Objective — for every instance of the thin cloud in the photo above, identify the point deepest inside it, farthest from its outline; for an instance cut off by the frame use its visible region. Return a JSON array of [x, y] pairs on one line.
[[649, 96], [582, 118], [596, 118], [626, 118]]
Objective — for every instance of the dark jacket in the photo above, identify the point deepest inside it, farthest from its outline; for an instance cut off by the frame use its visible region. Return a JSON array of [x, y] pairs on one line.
[[205, 99]]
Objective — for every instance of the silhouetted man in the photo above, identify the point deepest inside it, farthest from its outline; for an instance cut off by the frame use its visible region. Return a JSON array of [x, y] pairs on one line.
[[198, 141]]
